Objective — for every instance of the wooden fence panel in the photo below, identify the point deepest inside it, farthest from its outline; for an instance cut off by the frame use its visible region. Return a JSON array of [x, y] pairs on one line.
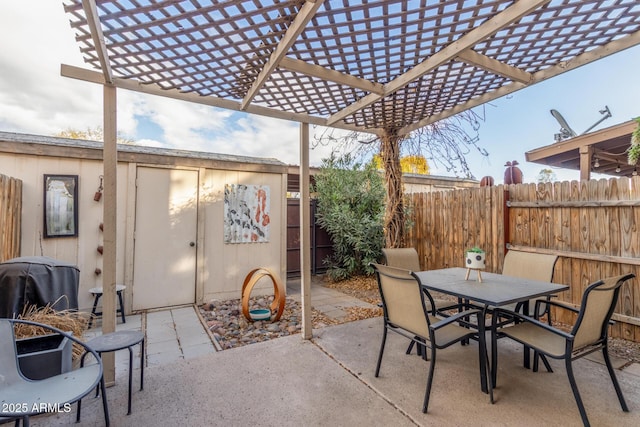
[[10, 217], [593, 226]]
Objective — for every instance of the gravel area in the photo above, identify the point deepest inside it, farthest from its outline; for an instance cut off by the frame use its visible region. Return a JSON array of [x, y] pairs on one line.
[[230, 328]]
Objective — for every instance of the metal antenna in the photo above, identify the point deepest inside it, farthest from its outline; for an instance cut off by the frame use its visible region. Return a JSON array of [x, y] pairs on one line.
[[606, 114]]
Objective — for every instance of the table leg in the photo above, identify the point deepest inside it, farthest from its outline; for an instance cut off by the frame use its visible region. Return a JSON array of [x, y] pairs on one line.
[[482, 350]]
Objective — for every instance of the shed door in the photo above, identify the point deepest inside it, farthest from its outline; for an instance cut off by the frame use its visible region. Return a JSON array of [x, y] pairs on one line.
[[165, 236]]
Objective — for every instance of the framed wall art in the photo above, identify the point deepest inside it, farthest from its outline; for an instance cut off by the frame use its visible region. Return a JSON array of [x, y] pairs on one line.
[[60, 206]]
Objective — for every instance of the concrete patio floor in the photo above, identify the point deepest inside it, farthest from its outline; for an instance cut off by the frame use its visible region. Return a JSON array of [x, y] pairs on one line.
[[329, 381]]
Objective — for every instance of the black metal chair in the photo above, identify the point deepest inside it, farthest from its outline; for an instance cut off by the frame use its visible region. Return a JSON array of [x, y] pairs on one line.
[[589, 334], [404, 306], [57, 391]]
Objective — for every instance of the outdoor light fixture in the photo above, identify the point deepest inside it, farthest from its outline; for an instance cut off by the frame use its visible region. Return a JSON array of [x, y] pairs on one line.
[[596, 164], [617, 168], [635, 171]]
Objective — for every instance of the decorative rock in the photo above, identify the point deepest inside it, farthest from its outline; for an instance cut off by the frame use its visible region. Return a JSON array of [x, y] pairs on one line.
[[229, 327]]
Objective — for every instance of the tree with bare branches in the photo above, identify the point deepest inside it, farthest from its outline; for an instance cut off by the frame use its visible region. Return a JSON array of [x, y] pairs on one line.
[[445, 143]]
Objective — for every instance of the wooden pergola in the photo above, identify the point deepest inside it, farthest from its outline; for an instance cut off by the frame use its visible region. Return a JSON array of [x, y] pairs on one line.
[[383, 67]]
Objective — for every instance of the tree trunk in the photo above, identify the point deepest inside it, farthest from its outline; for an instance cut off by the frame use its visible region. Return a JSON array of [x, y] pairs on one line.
[[394, 207]]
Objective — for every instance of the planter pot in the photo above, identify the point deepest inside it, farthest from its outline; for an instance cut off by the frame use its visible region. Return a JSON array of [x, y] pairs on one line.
[[475, 260], [44, 356]]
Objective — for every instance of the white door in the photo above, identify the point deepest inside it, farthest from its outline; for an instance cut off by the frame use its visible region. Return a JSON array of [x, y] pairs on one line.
[[165, 238]]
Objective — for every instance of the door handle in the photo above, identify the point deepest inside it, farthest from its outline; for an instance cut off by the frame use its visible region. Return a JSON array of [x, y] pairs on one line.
[[192, 244]]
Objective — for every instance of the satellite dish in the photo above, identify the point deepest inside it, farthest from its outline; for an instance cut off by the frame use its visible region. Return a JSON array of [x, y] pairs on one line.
[[565, 129]]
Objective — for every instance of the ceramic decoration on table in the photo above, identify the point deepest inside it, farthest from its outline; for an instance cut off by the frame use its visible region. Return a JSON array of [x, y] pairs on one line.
[[475, 261]]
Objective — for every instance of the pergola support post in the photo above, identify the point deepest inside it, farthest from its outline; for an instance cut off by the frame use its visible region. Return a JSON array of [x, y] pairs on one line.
[[305, 234], [110, 163]]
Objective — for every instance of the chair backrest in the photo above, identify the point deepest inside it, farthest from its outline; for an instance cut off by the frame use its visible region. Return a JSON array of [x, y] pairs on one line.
[[402, 300], [9, 371], [528, 265], [405, 258], [598, 302]]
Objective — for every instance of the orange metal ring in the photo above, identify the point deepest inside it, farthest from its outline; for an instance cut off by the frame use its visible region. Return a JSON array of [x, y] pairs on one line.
[[277, 306]]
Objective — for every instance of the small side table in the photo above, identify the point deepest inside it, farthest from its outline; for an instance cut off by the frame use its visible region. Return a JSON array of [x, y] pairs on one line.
[[115, 341], [97, 293]]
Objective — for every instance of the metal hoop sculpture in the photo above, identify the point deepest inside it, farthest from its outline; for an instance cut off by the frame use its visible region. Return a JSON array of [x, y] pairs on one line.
[[278, 299]]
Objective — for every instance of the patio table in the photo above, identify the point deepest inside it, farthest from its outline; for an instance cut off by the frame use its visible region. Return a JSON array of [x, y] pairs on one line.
[[495, 290]]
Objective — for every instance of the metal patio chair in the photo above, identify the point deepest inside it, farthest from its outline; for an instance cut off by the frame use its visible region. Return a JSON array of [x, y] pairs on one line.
[[54, 392], [589, 334], [530, 266], [404, 305], [407, 259]]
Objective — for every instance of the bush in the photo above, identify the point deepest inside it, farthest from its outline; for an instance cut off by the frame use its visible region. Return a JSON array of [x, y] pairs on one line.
[[351, 209]]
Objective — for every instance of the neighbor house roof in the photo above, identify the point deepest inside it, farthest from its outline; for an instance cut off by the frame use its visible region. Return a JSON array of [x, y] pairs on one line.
[[603, 151]]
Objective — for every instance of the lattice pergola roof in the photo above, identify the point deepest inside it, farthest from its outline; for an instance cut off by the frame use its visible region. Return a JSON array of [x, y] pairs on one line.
[[357, 64]]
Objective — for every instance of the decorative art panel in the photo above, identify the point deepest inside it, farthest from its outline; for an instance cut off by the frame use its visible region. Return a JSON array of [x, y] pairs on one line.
[[246, 213]]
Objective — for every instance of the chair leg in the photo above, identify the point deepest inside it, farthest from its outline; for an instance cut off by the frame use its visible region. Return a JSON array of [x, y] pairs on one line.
[[576, 393], [432, 366], [93, 310], [121, 307], [612, 374], [494, 357], [546, 362], [411, 344], [105, 405], [488, 375], [384, 340]]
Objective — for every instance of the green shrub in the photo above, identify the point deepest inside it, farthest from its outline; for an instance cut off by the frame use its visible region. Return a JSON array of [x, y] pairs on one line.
[[351, 209]]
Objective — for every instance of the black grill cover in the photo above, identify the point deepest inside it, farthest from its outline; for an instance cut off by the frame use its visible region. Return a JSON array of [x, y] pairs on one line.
[[37, 280]]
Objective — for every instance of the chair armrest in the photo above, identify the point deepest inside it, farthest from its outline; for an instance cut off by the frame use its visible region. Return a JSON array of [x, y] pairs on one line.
[[558, 304], [521, 317], [454, 318]]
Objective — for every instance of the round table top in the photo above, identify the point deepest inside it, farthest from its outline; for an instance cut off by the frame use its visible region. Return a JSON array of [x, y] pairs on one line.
[[100, 290], [115, 341]]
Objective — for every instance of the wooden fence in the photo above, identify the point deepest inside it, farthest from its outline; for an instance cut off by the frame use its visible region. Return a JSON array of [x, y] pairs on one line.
[[593, 226], [10, 217]]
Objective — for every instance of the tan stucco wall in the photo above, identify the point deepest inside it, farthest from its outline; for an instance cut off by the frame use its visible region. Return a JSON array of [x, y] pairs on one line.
[[81, 251], [226, 264]]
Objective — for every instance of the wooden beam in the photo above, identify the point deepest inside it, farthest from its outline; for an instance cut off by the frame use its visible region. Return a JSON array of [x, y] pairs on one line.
[[576, 204], [93, 20], [586, 58], [298, 25], [476, 59], [305, 234], [327, 74], [109, 219], [511, 14], [578, 255], [154, 89]]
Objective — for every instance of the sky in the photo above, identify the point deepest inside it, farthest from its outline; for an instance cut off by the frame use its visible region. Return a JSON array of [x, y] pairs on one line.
[[36, 39]]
